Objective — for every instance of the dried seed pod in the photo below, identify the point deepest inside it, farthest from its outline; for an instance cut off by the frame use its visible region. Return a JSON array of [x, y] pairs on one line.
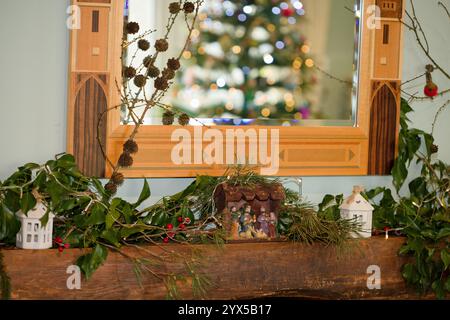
[[132, 27], [174, 7], [129, 72], [125, 160], [117, 178], [148, 61], [173, 64], [161, 83], [140, 80], [434, 148], [183, 119], [188, 7], [168, 118], [111, 187], [143, 44], [153, 71], [130, 146], [161, 45], [168, 74]]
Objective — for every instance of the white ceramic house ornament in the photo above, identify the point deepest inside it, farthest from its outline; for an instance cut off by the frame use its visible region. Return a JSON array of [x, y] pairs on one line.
[[357, 207], [31, 234]]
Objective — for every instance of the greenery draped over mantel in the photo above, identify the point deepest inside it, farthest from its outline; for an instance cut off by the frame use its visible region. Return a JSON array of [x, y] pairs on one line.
[[423, 215]]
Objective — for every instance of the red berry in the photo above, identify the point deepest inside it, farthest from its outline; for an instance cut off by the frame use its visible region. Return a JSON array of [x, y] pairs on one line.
[[166, 240], [287, 12], [67, 245], [187, 220], [171, 234], [58, 240], [431, 90], [60, 249], [182, 226], [180, 219], [169, 226]]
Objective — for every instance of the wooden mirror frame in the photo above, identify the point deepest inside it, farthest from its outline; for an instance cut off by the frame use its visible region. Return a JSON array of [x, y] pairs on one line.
[[369, 147]]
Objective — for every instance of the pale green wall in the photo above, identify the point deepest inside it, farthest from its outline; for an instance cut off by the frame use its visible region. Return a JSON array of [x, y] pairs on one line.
[[33, 82]]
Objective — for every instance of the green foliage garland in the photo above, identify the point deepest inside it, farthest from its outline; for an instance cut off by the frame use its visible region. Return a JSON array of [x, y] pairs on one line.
[[88, 216], [423, 216]]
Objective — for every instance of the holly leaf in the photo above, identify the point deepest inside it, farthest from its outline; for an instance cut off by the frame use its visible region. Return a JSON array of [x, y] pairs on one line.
[[90, 262], [97, 216], [113, 214], [145, 194], [111, 236]]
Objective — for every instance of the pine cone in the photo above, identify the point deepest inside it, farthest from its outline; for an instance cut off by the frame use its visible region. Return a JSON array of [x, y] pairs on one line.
[[129, 72], [130, 146], [148, 61], [153, 71], [174, 7], [140, 80], [168, 74], [173, 64], [161, 83], [188, 7], [143, 44], [125, 160], [132, 27], [434, 148], [183, 119], [117, 178], [168, 118], [161, 45], [111, 187]]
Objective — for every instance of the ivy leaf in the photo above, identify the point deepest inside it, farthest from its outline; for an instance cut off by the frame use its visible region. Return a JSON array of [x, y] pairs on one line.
[[445, 256], [9, 224], [56, 193], [145, 194], [27, 202], [399, 173], [67, 161], [90, 262], [44, 219]]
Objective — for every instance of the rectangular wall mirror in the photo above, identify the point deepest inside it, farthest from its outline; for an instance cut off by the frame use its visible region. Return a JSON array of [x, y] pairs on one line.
[[253, 64], [321, 76]]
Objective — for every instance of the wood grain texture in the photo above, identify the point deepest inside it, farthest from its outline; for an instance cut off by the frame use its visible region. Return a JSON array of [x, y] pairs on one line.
[[384, 117], [242, 270], [89, 103]]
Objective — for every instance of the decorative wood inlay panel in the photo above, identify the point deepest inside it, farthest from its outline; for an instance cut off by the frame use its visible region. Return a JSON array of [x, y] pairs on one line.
[[90, 101], [383, 137], [92, 40], [390, 8]]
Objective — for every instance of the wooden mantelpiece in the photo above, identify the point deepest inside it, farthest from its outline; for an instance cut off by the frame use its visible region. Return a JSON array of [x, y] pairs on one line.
[[244, 270]]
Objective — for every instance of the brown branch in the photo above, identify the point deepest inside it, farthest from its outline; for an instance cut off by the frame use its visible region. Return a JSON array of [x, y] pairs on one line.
[[436, 116], [416, 28], [445, 8]]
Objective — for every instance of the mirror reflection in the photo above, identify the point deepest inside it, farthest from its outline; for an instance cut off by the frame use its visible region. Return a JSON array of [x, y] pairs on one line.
[[263, 62]]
